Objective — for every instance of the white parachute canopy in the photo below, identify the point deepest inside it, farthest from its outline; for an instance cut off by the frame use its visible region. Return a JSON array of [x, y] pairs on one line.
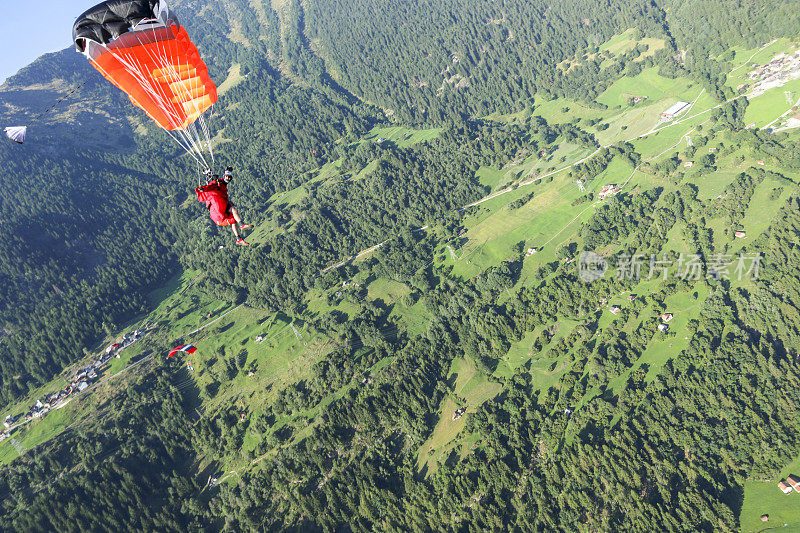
[[17, 133]]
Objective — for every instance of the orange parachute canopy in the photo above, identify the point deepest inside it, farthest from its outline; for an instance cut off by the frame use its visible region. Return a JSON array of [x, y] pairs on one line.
[[168, 80], [139, 46]]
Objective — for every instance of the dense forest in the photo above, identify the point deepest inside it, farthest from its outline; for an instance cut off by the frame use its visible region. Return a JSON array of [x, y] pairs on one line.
[[99, 212]]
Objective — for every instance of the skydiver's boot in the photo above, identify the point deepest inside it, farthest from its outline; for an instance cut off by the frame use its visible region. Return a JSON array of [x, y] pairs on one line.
[[242, 242], [246, 226]]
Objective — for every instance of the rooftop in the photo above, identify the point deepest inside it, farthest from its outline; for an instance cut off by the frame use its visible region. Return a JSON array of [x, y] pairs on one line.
[[675, 108]]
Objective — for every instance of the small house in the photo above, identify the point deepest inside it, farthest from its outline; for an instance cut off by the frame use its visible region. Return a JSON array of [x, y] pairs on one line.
[[663, 328], [760, 162], [615, 309], [739, 234], [82, 386], [666, 317], [9, 421], [631, 297], [785, 488], [794, 481], [688, 164]]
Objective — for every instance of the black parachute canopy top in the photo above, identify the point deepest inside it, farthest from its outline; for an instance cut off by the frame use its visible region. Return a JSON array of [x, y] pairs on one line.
[[107, 21]]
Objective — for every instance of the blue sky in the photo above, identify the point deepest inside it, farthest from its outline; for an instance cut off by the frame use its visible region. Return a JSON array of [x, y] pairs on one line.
[[30, 28]]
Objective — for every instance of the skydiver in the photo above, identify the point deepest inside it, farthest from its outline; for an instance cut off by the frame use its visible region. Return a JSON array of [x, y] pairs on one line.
[[221, 210]]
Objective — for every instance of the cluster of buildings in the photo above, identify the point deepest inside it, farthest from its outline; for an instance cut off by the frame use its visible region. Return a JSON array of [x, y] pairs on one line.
[[782, 69], [665, 320], [127, 339], [79, 383], [346, 284], [608, 190], [791, 482]]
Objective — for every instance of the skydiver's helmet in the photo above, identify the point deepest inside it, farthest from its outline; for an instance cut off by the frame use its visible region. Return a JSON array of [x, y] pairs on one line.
[[228, 175]]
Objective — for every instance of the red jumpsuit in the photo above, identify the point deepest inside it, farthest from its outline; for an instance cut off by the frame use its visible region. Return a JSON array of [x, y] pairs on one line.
[[215, 196]]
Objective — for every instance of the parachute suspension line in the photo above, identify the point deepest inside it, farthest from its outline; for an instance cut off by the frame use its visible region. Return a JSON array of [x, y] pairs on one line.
[[190, 142], [186, 141], [18, 133], [168, 59], [193, 140], [46, 111], [199, 175], [187, 146]]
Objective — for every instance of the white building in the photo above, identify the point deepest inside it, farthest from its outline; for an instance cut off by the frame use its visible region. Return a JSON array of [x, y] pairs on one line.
[[674, 110]]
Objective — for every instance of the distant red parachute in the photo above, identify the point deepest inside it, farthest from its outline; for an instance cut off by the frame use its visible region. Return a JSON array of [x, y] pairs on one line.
[[139, 46], [186, 348]]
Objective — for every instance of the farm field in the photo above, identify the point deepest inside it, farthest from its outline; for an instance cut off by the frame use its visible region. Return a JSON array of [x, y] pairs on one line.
[[472, 388], [764, 497], [38, 432], [766, 109], [650, 84], [402, 136]]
